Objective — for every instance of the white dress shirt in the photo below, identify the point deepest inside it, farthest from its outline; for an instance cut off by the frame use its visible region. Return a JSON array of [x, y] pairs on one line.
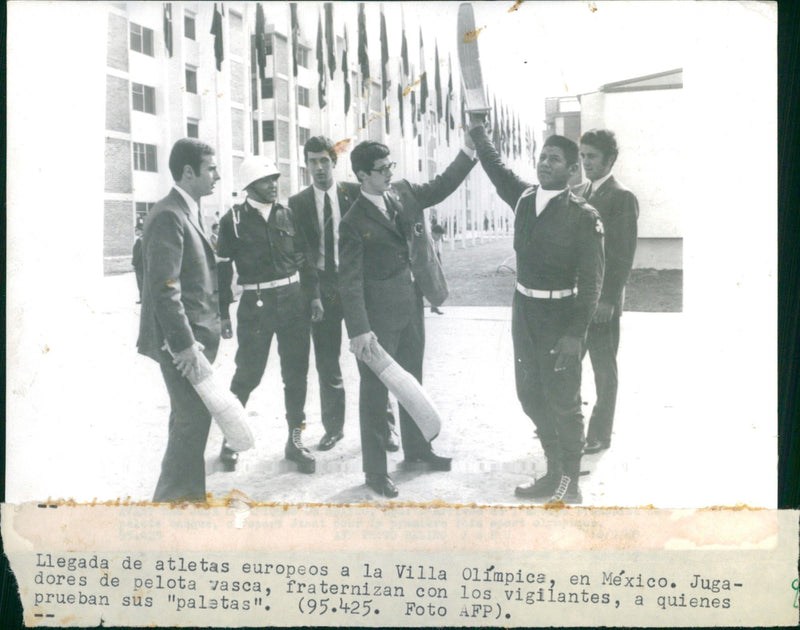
[[543, 197], [319, 200], [264, 209]]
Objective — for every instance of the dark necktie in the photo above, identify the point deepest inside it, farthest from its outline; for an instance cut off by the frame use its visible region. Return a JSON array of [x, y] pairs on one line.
[[391, 211], [327, 220]]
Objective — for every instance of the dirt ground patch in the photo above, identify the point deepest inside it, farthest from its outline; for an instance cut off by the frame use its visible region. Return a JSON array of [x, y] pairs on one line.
[[483, 275]]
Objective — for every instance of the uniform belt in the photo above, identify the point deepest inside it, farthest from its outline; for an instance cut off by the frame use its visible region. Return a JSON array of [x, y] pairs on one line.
[[545, 295], [260, 286]]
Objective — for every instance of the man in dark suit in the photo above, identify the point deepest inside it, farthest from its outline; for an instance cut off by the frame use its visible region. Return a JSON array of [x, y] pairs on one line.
[[180, 314], [382, 303], [619, 210], [318, 210]]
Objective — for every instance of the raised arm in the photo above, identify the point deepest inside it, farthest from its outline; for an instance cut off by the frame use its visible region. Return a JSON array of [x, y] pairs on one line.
[[507, 184]]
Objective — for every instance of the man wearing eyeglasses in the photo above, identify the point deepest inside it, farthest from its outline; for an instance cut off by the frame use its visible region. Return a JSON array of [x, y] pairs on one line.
[[318, 210], [381, 300]]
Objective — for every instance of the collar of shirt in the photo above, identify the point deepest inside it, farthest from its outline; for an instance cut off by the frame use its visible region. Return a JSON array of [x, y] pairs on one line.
[[263, 208], [378, 200], [543, 197], [194, 208], [599, 182]]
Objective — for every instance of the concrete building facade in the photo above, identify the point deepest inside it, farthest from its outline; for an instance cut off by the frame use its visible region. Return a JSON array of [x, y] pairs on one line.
[[155, 96]]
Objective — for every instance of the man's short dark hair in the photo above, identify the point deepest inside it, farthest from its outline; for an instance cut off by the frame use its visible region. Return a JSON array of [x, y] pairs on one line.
[[187, 151], [604, 141], [366, 153], [567, 146], [318, 144]]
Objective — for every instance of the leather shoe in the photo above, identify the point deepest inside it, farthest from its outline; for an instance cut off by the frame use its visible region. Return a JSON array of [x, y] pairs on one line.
[[382, 484], [329, 440], [228, 457], [595, 446], [434, 461]]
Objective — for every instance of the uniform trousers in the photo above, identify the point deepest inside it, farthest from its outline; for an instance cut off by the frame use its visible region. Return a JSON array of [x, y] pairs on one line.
[[407, 347], [551, 399], [327, 336], [183, 472], [602, 343], [284, 314]]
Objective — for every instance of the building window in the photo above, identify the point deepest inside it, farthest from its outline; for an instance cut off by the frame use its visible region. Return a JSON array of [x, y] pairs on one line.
[[141, 39], [266, 88], [142, 209], [192, 128], [269, 44], [268, 130], [303, 96], [304, 178], [303, 135], [191, 80], [188, 26], [303, 55], [144, 157], [144, 98]]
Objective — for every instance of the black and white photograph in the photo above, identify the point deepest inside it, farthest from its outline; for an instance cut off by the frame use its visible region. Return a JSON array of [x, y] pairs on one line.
[[473, 253]]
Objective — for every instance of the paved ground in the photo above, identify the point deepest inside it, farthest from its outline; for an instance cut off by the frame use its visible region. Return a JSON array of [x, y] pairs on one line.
[[89, 419]]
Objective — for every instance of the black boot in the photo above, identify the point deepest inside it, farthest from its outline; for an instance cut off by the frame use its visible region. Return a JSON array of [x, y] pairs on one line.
[[228, 457], [568, 490], [542, 487], [296, 452]]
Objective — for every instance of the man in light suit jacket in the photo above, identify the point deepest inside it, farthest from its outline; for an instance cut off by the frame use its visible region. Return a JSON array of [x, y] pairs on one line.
[[382, 303], [180, 314], [318, 211], [619, 210]]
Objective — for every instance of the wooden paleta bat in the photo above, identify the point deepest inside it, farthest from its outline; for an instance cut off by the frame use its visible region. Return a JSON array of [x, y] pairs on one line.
[[469, 59], [224, 407], [408, 391]]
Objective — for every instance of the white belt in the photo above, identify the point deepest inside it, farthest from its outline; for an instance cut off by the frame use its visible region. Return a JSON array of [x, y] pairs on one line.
[[295, 277], [545, 295]]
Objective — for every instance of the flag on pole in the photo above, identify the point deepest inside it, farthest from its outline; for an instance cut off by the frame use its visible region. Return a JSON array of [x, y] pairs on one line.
[[295, 33], [508, 132], [363, 52], [168, 27], [261, 41], [329, 37], [385, 79], [413, 109], [464, 109], [400, 101], [320, 65], [437, 84], [346, 71], [404, 47], [496, 129], [448, 114], [423, 78], [216, 31]]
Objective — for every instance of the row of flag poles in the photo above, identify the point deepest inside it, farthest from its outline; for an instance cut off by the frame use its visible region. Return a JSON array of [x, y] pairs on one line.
[[431, 115]]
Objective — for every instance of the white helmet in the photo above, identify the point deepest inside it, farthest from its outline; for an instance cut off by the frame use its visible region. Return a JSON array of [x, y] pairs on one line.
[[254, 168]]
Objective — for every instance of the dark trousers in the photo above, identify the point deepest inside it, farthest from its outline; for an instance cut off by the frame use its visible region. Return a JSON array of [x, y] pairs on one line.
[[139, 280], [183, 473], [327, 336], [407, 347], [602, 344], [551, 399], [284, 314]]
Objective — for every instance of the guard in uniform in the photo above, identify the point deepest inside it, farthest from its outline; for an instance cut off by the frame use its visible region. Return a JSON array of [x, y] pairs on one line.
[[558, 239], [279, 283]]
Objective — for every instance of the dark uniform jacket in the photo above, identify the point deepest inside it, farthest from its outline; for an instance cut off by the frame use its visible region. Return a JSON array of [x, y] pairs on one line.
[[304, 208], [619, 210], [263, 250], [179, 296], [375, 281], [562, 248]]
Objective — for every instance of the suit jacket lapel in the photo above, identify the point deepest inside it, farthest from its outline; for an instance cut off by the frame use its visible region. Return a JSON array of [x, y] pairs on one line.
[[376, 214], [193, 220], [311, 203]]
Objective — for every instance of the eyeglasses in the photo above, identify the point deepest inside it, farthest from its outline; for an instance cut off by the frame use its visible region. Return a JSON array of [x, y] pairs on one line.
[[385, 168]]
